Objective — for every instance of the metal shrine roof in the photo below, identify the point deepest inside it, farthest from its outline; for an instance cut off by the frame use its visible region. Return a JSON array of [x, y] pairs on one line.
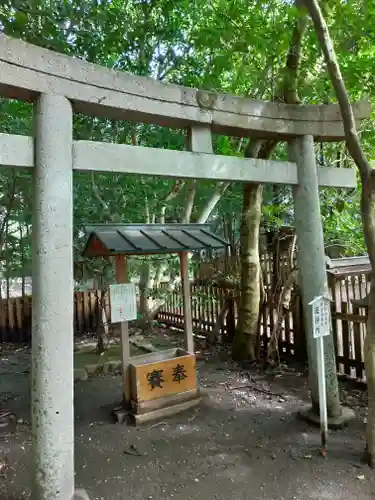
[[133, 239]]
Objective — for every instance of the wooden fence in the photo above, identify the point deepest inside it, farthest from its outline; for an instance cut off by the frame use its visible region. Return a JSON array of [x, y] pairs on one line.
[[349, 321], [207, 302], [16, 315]]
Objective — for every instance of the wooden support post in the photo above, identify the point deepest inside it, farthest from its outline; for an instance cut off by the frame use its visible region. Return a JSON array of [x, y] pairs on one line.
[[122, 277], [189, 339]]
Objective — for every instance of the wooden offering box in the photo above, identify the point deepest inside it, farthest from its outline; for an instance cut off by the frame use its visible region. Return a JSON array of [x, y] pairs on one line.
[[162, 384]]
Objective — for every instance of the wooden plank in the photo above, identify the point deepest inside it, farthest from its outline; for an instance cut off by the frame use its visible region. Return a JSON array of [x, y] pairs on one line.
[[121, 277], [19, 315], [86, 312], [79, 312], [153, 357], [200, 319], [188, 324], [155, 404], [27, 70], [165, 412], [349, 317], [345, 340], [11, 315], [231, 320], [357, 344], [7, 335], [177, 321], [162, 378], [92, 308], [27, 313], [334, 319], [352, 364], [206, 302], [2, 321]]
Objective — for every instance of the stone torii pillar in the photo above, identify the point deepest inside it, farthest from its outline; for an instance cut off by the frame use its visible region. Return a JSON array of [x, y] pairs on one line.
[[313, 276], [52, 322]]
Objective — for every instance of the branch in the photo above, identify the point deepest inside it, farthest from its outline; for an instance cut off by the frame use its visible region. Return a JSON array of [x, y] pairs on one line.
[[220, 189], [293, 61], [4, 223], [263, 149], [351, 135], [97, 195], [189, 204], [333, 68], [176, 189], [147, 210]]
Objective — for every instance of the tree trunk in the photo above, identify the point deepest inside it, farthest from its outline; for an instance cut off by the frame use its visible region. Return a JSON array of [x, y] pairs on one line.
[[189, 203], [22, 257], [144, 287], [220, 189], [367, 204], [102, 324], [368, 218], [244, 341]]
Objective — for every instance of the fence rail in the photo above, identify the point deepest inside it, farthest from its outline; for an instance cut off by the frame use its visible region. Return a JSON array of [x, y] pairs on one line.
[[349, 321], [16, 316]]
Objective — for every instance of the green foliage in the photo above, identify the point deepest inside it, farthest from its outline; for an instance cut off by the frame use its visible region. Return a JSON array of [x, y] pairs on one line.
[[238, 47]]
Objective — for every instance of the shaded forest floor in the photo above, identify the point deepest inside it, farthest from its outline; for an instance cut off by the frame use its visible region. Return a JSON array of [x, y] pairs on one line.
[[243, 442]]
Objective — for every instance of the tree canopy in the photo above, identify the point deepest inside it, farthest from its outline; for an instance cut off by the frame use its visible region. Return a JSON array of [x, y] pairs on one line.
[[238, 47]]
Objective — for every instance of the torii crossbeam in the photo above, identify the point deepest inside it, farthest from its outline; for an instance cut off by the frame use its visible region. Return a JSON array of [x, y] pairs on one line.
[[59, 85]]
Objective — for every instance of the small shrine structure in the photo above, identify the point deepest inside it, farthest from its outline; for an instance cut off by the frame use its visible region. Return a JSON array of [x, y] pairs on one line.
[[163, 383]]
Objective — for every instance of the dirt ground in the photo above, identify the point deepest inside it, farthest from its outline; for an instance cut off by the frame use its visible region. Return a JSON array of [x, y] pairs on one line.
[[244, 442]]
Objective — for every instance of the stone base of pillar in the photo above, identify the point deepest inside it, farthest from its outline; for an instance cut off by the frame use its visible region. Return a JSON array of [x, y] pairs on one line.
[[80, 494], [347, 414]]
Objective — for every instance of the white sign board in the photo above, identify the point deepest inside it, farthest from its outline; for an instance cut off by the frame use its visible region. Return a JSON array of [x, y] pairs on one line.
[[321, 316], [123, 302], [321, 319]]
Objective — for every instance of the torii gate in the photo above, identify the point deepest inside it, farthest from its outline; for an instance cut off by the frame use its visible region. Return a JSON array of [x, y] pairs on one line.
[[58, 84]]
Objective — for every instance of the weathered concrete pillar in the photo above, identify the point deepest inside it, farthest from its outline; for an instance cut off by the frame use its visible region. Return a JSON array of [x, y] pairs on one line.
[[312, 268], [52, 329]]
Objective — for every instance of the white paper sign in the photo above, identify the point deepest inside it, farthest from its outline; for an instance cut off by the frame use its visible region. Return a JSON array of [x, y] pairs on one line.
[[321, 316], [123, 302]]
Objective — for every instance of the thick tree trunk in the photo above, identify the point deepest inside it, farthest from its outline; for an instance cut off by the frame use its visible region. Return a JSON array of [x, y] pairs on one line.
[[369, 355], [367, 203], [368, 217], [244, 341], [244, 344]]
